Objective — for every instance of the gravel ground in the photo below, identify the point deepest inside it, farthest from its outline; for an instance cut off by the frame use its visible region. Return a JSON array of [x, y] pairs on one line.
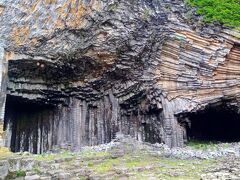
[[126, 158], [214, 151]]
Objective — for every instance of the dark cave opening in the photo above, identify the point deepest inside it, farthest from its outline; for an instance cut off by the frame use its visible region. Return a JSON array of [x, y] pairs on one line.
[[25, 117], [218, 124]]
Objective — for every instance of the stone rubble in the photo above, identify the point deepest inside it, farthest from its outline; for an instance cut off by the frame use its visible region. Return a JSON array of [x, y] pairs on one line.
[[65, 168], [187, 152]]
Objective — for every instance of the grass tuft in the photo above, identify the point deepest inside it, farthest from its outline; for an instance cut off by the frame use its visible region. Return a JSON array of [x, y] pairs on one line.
[[20, 173], [50, 156], [202, 145], [4, 152]]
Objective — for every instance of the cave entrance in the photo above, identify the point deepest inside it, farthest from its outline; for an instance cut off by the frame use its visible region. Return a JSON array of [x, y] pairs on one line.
[[219, 123], [26, 118]]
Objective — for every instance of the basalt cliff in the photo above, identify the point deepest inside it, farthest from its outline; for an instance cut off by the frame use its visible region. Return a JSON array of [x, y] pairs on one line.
[[76, 73]]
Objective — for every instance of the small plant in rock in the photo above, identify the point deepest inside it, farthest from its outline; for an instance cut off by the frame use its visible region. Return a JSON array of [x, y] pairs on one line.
[[146, 14], [88, 153], [50, 156], [20, 173], [203, 145], [36, 169], [90, 164]]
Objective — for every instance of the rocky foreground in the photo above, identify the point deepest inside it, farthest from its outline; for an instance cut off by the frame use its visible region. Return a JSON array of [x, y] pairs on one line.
[[126, 158], [83, 70]]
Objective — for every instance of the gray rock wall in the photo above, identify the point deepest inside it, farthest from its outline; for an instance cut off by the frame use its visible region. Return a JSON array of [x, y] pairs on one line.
[[39, 129], [3, 89]]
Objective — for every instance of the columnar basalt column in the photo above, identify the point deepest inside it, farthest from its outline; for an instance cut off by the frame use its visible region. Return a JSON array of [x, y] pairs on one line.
[[174, 132], [3, 85]]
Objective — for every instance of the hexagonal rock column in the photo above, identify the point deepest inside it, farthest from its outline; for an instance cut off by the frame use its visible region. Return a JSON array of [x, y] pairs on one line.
[[3, 85]]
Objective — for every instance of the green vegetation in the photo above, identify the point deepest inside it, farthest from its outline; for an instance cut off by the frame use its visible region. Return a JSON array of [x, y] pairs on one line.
[[20, 173], [135, 164], [4, 152], [203, 145], [226, 12], [105, 166], [160, 167], [89, 153], [15, 175], [86, 153], [36, 169], [48, 156]]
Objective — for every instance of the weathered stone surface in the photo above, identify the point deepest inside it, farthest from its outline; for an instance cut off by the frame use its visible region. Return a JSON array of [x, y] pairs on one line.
[[34, 177], [14, 164], [1, 134], [3, 85], [27, 164], [81, 71], [4, 166]]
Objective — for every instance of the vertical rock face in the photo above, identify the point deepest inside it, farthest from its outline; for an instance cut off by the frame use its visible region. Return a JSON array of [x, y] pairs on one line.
[[81, 71], [40, 129], [3, 88]]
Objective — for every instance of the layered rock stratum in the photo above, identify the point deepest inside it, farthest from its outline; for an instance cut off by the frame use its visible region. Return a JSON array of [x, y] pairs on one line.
[[80, 71]]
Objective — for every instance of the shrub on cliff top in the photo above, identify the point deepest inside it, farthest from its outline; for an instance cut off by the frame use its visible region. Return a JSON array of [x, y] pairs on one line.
[[226, 12]]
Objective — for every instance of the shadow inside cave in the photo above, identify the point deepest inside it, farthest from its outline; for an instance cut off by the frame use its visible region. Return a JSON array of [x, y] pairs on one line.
[[219, 123], [25, 119]]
